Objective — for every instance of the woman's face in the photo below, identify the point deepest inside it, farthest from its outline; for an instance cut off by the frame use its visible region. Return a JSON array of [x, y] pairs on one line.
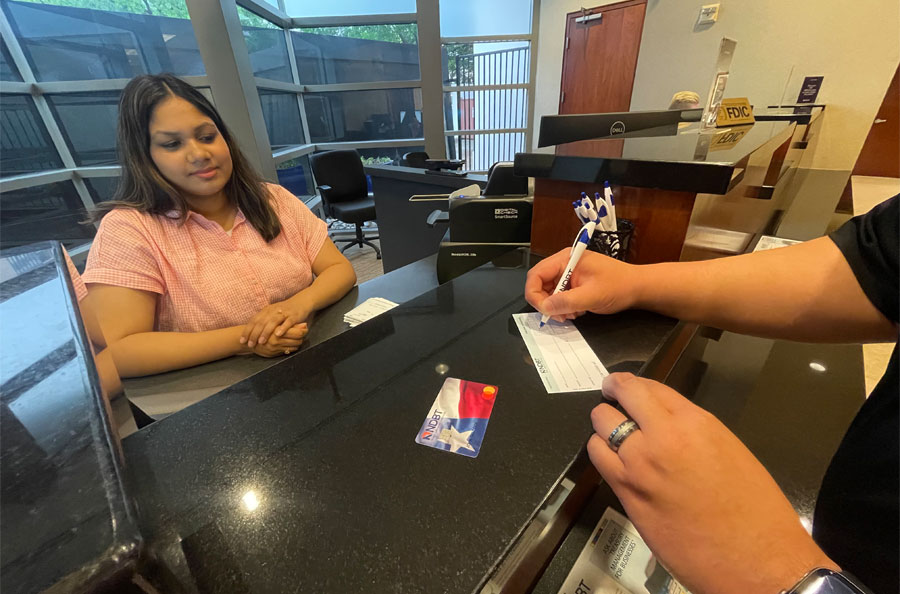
[[188, 149]]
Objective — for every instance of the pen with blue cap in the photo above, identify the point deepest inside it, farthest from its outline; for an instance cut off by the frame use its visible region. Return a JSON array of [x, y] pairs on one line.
[[581, 243], [607, 191]]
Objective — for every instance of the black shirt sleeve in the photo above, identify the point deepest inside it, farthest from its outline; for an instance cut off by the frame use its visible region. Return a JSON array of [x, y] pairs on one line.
[[871, 243]]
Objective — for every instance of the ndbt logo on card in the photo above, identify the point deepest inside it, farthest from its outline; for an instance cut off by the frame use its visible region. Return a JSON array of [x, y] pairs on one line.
[[431, 423]]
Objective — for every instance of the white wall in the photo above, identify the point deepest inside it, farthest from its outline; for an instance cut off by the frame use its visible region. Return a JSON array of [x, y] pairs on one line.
[[855, 46]]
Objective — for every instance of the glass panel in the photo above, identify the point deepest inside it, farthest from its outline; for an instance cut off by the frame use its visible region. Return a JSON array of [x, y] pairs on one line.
[[76, 42], [465, 18], [486, 110], [88, 121], [39, 213], [282, 114], [483, 150], [387, 156], [349, 54], [364, 115], [8, 70], [102, 188], [26, 146], [266, 45], [486, 63], [307, 8], [296, 175]]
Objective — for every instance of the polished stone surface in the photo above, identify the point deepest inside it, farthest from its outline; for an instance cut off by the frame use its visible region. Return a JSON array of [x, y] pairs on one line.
[[791, 415], [307, 477], [162, 394], [64, 513]]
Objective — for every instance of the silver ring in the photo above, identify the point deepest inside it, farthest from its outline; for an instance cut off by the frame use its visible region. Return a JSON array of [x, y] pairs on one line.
[[620, 434]]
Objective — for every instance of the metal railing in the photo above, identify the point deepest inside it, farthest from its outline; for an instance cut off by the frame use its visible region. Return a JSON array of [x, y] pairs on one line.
[[486, 105]]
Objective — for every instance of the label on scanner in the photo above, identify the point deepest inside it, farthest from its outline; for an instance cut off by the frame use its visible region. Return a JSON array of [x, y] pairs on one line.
[[459, 417]]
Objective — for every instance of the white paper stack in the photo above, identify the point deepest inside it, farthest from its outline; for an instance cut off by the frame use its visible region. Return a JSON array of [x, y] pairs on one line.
[[367, 310]]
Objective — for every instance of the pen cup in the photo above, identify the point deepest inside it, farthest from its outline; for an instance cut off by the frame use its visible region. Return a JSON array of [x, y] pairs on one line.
[[614, 244]]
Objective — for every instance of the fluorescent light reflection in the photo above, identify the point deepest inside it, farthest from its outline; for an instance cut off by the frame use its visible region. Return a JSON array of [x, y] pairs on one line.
[[816, 366]]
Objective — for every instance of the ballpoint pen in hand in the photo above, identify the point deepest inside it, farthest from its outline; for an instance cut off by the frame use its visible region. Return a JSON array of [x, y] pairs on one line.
[[581, 243]]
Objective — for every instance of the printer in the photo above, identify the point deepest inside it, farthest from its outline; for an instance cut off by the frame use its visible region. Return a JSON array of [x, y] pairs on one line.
[[491, 227]]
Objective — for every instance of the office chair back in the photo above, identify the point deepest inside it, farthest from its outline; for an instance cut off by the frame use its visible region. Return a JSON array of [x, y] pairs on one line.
[[415, 159], [343, 172], [503, 182]]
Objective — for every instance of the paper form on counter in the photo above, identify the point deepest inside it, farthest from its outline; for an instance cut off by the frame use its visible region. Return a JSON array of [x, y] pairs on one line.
[[616, 560], [565, 362], [367, 310]]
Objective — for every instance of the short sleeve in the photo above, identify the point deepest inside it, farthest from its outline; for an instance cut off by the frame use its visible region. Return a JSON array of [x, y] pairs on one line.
[[122, 254], [77, 282], [870, 243], [312, 230]]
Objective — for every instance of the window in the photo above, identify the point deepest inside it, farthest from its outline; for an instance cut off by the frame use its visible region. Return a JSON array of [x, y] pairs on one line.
[[296, 176], [486, 88], [468, 18], [52, 211], [309, 8], [80, 43], [8, 70], [364, 115], [352, 54], [266, 46], [26, 145], [102, 188], [483, 150], [282, 115], [88, 121]]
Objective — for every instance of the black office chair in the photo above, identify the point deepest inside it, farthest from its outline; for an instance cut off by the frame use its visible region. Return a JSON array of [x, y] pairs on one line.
[[415, 159], [341, 181]]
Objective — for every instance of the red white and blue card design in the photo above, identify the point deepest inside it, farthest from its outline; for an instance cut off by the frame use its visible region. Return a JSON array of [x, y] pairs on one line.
[[458, 417]]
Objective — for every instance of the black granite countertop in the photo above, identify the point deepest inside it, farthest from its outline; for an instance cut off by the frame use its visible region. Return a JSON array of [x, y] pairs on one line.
[[306, 476], [64, 518]]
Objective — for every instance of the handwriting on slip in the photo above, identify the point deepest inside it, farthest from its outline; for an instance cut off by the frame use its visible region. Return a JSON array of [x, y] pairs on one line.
[[565, 362]]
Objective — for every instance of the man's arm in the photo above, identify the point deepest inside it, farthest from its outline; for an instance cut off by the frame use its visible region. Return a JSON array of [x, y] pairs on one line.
[[803, 292]]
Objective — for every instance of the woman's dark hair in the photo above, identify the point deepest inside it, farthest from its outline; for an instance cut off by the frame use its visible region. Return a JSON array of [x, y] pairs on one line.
[[144, 188]]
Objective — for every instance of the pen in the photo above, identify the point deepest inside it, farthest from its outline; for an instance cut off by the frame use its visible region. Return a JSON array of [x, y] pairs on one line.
[[607, 191], [581, 243]]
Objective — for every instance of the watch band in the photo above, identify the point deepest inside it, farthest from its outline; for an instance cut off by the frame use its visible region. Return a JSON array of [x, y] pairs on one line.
[[828, 581]]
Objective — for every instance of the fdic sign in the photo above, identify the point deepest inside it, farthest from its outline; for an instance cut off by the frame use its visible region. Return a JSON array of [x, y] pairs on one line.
[[734, 112]]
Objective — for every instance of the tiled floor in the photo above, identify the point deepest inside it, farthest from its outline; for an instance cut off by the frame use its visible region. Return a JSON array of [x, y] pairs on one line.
[[868, 192]]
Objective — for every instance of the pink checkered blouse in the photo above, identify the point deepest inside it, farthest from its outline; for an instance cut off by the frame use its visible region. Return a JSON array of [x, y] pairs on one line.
[[205, 277]]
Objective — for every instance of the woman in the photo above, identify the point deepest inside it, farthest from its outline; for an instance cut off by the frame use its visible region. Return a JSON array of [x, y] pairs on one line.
[[196, 258]]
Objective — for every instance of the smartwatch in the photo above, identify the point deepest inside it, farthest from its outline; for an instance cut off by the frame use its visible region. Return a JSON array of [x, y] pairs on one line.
[[827, 581]]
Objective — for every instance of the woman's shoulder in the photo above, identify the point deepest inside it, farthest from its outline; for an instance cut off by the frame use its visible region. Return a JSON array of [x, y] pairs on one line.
[[124, 219]]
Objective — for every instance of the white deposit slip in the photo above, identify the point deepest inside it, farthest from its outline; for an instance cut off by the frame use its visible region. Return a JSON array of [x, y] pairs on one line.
[[561, 356]]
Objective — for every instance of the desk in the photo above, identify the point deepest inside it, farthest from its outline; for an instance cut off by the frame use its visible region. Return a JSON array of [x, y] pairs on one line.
[[65, 519], [160, 395], [325, 440], [656, 175], [404, 236]]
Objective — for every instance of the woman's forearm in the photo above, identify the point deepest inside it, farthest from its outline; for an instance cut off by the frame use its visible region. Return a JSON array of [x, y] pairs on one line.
[[332, 284], [146, 353]]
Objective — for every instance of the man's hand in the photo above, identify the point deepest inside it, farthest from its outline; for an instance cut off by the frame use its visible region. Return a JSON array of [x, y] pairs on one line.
[[599, 284], [274, 320], [705, 506]]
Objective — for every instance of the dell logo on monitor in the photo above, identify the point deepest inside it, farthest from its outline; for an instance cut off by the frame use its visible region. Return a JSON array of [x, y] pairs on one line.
[[618, 127]]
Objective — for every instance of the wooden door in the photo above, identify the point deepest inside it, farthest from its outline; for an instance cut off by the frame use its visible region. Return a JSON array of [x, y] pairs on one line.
[[880, 155], [599, 60]]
